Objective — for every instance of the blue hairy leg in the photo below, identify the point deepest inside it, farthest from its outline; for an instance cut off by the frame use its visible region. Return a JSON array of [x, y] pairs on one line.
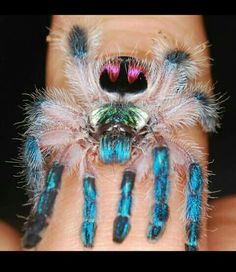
[[33, 160], [44, 208], [121, 223], [193, 206], [175, 62], [77, 40], [161, 192], [90, 210]]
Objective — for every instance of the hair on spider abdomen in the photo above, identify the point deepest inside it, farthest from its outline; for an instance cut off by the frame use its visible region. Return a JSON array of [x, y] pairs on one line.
[[77, 39]]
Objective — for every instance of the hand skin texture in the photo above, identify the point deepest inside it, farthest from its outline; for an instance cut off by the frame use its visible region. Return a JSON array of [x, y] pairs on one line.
[[219, 228]]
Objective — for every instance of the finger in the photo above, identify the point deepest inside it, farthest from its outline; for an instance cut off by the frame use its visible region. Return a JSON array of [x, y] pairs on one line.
[[122, 35], [222, 224], [9, 238]]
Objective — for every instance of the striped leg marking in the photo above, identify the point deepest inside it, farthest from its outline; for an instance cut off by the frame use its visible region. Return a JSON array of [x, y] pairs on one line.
[[90, 211], [160, 208], [193, 206], [121, 223], [39, 220]]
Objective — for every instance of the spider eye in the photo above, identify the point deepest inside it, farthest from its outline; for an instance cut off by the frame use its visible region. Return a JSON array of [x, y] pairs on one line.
[[123, 75]]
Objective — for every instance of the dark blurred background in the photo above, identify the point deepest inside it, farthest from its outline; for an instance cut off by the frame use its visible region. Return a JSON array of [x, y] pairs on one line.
[[22, 69]]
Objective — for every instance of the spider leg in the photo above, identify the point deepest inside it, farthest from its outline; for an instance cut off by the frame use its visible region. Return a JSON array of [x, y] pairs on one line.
[[44, 208], [33, 160], [77, 39], [122, 222], [160, 208], [209, 107], [193, 206], [176, 63], [89, 212]]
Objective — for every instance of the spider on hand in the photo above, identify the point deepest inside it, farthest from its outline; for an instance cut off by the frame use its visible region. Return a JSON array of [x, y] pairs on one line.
[[119, 109]]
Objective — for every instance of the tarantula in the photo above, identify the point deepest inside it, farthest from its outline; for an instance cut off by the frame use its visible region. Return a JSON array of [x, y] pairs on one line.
[[119, 110]]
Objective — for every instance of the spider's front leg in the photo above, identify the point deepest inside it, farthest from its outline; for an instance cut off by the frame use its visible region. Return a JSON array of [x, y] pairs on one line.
[[122, 221], [160, 208], [90, 210]]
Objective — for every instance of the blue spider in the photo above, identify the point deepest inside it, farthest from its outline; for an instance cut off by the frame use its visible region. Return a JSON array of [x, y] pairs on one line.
[[122, 110]]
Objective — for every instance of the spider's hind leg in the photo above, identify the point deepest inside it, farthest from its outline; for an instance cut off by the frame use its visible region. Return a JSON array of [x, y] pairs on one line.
[[43, 211], [33, 161], [160, 208], [195, 187]]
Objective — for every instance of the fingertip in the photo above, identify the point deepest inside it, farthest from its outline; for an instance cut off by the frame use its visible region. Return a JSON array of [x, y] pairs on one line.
[[222, 224], [9, 238]]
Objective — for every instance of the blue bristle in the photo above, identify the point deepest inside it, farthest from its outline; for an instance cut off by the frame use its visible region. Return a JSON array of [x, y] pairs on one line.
[[34, 163], [115, 149], [121, 223], [78, 42], [52, 185], [193, 206], [90, 211], [31, 151], [161, 188], [121, 149], [192, 230], [125, 205], [161, 211], [177, 56], [161, 162], [202, 98], [195, 183], [161, 192], [88, 232], [174, 63], [193, 211]]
